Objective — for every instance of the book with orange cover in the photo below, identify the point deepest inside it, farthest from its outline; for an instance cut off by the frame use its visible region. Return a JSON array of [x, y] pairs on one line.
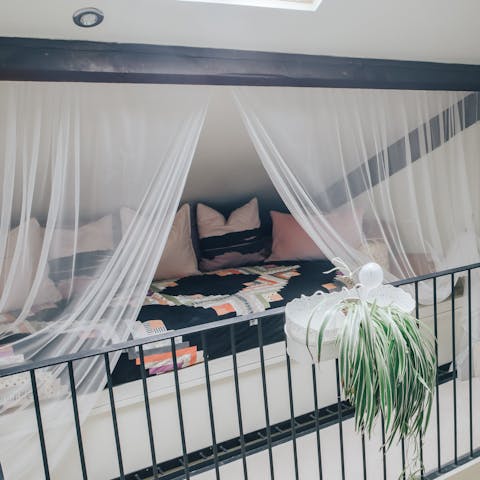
[[159, 357], [185, 360]]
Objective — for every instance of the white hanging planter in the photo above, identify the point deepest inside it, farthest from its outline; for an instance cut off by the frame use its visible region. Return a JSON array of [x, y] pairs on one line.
[[304, 316], [297, 314]]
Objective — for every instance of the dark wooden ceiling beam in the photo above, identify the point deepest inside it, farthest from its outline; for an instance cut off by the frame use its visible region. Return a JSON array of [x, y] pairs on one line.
[[73, 61]]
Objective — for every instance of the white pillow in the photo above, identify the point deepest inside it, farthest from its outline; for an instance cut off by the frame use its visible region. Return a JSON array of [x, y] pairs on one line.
[[91, 237], [230, 243], [178, 258], [26, 269], [211, 223]]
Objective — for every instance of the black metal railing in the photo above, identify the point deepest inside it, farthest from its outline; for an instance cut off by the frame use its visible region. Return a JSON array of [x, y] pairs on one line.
[[239, 447], [453, 274]]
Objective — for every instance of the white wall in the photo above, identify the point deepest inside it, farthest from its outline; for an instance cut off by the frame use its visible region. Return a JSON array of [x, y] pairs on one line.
[[444, 181], [428, 30], [226, 169]]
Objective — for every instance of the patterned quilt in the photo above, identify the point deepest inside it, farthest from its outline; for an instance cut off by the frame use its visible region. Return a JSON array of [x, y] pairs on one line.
[[254, 296], [191, 301]]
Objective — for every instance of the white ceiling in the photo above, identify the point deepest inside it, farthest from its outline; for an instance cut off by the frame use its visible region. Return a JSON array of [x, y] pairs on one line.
[[431, 30]]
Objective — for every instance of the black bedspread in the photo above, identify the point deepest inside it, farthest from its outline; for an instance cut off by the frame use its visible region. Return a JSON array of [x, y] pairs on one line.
[[245, 290]]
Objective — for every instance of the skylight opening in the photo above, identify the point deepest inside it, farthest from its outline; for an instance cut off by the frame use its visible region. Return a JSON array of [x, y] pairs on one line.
[[308, 5]]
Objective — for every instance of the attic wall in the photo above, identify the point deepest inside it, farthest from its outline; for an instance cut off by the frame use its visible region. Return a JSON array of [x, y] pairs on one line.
[[226, 170], [468, 108], [431, 179]]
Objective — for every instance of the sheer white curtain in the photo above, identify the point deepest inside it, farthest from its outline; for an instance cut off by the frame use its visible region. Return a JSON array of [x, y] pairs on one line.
[[401, 167], [76, 162]]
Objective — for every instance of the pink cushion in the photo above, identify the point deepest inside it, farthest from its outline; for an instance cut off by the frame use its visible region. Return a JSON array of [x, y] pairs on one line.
[[291, 242]]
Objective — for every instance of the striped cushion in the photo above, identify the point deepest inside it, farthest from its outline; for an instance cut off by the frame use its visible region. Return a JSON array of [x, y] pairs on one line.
[[230, 243], [248, 241], [84, 264]]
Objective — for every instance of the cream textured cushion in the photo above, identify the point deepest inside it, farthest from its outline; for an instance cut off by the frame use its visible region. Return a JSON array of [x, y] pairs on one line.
[[178, 258], [377, 250]]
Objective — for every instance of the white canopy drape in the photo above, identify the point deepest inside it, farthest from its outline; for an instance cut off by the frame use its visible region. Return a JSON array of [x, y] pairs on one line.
[[78, 162], [401, 167]]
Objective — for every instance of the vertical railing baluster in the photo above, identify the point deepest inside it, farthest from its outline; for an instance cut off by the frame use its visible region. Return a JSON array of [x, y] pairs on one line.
[[422, 466], [384, 450], [38, 414], [437, 388], [454, 370], [470, 370], [317, 422], [420, 439], [146, 399], [237, 397], [292, 415], [340, 419], [364, 457], [179, 408], [210, 405], [265, 398], [76, 416], [113, 411]]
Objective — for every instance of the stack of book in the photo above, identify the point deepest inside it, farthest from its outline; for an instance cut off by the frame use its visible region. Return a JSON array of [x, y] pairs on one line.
[[158, 355]]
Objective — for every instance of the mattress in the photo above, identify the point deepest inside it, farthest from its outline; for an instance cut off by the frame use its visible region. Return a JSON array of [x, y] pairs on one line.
[[201, 299], [197, 300], [191, 301]]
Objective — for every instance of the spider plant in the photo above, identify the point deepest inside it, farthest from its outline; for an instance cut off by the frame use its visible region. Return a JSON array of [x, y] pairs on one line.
[[387, 367]]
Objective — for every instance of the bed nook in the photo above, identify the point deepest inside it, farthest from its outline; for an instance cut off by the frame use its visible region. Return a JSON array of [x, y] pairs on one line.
[[154, 226]]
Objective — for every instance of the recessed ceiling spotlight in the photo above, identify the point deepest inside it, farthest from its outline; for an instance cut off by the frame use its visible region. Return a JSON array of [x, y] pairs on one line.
[[88, 17]]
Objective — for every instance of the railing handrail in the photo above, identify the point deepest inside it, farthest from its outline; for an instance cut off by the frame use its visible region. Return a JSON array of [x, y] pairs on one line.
[[49, 362], [441, 273]]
